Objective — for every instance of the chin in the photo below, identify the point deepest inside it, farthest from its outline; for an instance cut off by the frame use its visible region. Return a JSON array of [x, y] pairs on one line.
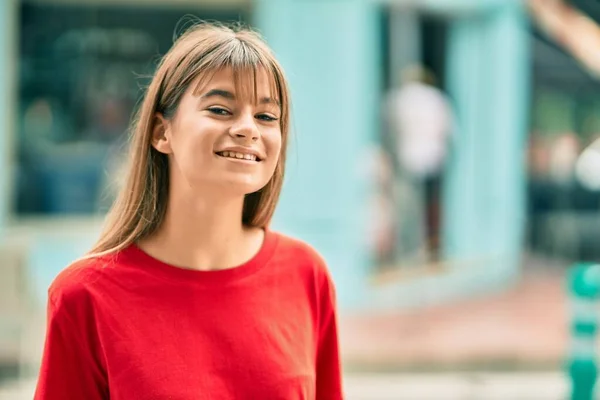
[[241, 187]]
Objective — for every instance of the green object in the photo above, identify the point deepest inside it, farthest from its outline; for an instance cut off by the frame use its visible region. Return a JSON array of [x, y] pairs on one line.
[[584, 291], [583, 376], [584, 280]]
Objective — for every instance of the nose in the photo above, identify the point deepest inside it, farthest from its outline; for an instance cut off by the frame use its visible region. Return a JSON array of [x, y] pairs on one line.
[[244, 128]]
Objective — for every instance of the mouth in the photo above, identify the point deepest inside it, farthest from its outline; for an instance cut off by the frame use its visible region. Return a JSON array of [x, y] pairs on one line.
[[238, 156]]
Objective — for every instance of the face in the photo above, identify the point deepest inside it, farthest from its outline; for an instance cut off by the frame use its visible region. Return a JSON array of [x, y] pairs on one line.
[[219, 140]]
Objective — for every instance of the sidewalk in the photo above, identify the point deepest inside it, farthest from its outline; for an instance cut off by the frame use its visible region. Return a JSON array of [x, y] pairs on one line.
[[524, 328], [445, 386], [458, 386]]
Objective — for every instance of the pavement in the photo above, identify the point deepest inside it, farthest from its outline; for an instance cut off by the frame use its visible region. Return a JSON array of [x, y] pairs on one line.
[[410, 386], [524, 328], [458, 386]]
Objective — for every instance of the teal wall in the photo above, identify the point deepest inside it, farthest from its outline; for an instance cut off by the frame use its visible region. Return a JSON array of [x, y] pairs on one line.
[[488, 75], [329, 49], [483, 209]]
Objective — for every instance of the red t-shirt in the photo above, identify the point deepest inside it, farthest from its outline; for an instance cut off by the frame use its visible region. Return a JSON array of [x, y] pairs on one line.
[[130, 327]]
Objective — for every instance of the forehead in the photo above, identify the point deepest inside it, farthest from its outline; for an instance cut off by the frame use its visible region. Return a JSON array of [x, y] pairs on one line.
[[247, 84]]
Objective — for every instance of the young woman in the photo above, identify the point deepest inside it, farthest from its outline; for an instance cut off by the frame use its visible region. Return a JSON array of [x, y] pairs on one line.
[[188, 295]]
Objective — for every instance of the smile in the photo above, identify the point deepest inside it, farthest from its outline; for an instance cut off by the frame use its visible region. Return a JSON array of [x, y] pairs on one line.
[[238, 156]]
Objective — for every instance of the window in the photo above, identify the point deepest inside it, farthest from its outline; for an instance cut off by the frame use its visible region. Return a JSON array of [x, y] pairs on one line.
[[81, 71]]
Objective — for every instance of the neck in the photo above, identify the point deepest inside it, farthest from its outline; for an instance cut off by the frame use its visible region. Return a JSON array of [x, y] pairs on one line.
[[204, 234]]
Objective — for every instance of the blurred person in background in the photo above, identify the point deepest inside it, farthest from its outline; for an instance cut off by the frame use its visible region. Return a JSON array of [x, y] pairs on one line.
[[43, 125], [563, 157], [540, 188], [187, 294], [420, 119], [382, 228]]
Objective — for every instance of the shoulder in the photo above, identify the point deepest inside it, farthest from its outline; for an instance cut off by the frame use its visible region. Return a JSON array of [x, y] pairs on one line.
[[303, 256], [75, 282], [299, 249], [315, 273]]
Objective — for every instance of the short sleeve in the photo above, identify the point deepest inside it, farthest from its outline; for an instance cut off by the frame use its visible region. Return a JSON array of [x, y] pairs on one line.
[[329, 379], [70, 368]]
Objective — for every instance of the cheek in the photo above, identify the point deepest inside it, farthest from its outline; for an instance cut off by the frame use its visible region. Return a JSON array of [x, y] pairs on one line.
[[273, 142], [273, 145], [191, 154], [195, 142]]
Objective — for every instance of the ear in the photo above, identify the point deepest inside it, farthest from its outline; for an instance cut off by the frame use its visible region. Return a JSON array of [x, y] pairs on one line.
[[161, 134]]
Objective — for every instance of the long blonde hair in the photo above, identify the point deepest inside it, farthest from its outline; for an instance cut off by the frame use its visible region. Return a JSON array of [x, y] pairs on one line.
[[203, 49]]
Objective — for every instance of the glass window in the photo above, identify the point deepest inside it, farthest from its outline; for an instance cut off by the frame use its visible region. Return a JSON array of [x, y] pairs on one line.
[[81, 71]]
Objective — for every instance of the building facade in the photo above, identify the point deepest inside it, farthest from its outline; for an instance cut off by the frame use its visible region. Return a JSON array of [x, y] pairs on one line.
[[338, 59]]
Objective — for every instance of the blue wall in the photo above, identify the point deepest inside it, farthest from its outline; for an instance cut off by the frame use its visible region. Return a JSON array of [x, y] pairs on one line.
[[488, 74], [329, 49]]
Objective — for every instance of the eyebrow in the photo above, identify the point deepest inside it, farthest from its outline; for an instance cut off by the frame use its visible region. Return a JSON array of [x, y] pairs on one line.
[[230, 96]]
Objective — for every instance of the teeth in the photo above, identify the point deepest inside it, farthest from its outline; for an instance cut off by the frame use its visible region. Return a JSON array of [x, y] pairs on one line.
[[233, 154]]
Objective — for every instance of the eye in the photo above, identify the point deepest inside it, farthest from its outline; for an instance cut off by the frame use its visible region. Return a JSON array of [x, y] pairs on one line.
[[219, 111], [266, 117]]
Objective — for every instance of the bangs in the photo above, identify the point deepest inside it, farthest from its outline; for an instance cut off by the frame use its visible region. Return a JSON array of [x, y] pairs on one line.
[[246, 63]]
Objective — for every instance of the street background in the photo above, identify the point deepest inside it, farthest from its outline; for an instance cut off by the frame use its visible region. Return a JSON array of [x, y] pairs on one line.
[[445, 160]]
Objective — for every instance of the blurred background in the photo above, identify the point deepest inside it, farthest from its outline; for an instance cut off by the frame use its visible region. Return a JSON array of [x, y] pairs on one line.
[[444, 160]]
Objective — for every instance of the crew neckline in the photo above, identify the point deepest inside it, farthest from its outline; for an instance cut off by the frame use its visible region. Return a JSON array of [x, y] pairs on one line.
[[135, 255]]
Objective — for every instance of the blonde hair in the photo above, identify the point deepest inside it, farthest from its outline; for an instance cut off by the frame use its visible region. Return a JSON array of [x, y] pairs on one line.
[[196, 55]]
